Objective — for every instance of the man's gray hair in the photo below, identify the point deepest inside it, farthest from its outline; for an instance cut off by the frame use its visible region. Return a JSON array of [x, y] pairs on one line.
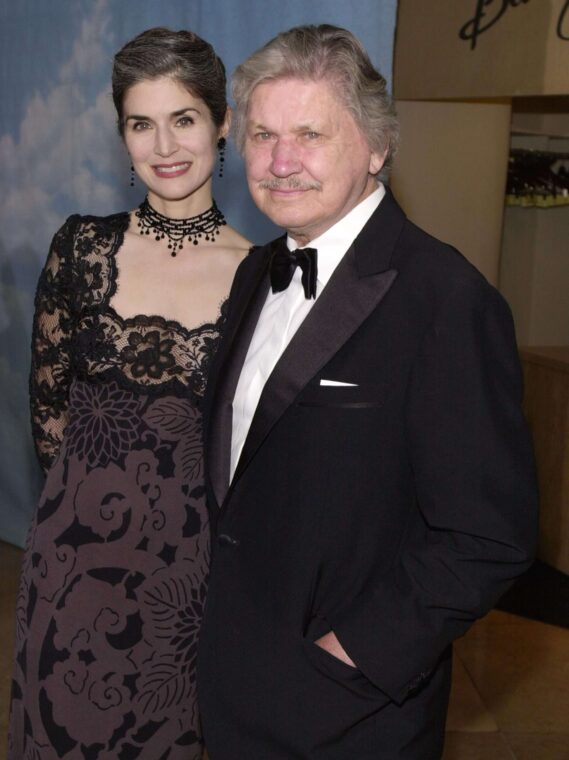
[[327, 53]]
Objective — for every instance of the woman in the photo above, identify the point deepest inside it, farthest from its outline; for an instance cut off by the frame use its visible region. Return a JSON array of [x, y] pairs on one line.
[[128, 314]]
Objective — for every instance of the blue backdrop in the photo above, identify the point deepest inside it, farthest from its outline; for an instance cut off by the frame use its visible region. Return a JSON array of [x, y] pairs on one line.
[[60, 153]]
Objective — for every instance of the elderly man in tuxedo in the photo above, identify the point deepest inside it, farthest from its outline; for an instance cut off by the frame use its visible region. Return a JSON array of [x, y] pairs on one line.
[[370, 474]]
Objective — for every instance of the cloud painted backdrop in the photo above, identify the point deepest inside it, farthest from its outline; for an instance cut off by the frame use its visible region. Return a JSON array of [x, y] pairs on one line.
[[60, 153]]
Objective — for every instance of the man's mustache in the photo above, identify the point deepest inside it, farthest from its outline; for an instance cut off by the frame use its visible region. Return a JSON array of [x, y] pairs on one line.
[[291, 183]]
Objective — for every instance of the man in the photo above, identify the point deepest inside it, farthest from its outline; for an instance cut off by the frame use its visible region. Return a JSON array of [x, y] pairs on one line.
[[370, 473]]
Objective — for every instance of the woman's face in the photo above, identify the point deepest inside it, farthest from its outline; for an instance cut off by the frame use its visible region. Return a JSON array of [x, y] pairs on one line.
[[172, 142]]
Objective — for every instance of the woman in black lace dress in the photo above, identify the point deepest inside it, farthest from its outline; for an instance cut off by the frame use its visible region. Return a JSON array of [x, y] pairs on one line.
[[128, 313]]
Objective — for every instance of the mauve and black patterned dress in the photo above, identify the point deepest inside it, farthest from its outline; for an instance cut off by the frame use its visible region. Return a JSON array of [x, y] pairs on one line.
[[116, 564]]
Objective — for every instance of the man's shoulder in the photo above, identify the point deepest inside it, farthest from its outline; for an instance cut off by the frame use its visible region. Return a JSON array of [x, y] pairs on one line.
[[412, 251], [421, 255], [431, 273]]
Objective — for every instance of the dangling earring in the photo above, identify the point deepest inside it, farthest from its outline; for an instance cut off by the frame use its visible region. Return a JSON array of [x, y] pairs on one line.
[[131, 175], [221, 143]]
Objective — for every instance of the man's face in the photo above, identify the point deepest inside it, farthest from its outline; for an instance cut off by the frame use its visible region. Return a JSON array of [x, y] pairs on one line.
[[308, 164]]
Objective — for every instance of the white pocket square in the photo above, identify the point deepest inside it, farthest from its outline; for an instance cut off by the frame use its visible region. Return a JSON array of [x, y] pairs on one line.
[[338, 383]]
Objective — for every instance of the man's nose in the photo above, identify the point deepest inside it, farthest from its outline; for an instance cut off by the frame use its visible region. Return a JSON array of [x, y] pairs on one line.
[[165, 143], [285, 159]]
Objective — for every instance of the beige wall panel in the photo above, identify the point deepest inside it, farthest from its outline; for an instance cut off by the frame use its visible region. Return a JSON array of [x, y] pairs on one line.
[[523, 53], [450, 174]]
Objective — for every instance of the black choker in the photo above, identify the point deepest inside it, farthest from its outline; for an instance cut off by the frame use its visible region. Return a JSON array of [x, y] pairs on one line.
[[177, 230]]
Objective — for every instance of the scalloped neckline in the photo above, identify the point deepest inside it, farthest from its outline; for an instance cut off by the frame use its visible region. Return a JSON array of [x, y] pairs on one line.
[[106, 306], [160, 321]]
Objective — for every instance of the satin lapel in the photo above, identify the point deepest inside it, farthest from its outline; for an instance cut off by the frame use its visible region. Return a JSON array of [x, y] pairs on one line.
[[238, 332], [345, 303], [355, 289]]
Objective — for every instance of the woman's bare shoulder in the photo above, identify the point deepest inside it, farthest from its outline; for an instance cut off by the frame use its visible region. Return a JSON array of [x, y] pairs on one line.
[[235, 242]]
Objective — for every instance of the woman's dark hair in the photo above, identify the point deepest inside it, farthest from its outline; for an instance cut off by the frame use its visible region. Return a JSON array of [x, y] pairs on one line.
[[183, 56]]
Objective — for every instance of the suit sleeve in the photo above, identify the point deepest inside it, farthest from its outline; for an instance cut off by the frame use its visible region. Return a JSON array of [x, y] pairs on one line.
[[476, 496]]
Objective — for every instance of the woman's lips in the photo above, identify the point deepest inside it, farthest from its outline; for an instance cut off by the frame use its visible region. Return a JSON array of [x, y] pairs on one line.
[[171, 170]]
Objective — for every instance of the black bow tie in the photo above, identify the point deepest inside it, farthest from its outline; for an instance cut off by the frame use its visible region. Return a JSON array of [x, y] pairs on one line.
[[284, 263]]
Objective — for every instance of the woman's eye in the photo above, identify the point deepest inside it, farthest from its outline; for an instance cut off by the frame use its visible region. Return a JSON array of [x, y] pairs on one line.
[[185, 121], [138, 126]]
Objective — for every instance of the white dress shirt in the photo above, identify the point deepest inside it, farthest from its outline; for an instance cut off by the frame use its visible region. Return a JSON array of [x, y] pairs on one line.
[[284, 312]]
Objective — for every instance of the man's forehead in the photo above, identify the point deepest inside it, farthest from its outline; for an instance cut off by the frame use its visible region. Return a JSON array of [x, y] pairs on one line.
[[295, 86], [299, 99]]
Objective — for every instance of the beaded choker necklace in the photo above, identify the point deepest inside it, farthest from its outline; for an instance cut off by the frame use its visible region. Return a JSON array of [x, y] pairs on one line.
[[206, 226]]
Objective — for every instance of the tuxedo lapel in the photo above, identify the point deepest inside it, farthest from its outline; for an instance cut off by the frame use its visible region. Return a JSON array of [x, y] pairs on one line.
[[243, 317], [345, 303], [357, 286]]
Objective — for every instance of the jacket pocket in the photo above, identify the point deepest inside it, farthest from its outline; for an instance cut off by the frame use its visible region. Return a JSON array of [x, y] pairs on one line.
[[367, 396]]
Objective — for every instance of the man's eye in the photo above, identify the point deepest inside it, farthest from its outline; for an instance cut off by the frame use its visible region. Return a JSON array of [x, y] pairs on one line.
[[262, 136], [310, 135]]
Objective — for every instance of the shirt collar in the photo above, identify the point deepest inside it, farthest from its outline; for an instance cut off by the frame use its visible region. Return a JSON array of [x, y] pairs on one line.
[[333, 244]]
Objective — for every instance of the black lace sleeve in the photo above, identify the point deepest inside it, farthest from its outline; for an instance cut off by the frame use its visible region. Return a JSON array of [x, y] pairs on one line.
[[51, 338]]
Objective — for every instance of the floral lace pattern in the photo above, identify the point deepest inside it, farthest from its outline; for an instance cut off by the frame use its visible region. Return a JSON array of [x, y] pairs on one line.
[[115, 570], [78, 334]]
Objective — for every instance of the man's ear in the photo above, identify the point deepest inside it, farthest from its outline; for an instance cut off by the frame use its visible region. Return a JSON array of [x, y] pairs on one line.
[[376, 161]]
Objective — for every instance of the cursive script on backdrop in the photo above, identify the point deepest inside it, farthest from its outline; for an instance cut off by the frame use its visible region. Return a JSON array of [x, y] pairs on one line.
[[563, 22], [489, 12]]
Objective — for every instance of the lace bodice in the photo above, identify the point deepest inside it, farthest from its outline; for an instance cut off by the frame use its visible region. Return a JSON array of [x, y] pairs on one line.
[[77, 335]]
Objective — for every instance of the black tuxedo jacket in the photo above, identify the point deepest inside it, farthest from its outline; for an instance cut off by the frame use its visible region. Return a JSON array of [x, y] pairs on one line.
[[393, 511]]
